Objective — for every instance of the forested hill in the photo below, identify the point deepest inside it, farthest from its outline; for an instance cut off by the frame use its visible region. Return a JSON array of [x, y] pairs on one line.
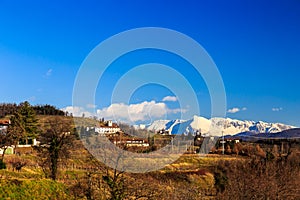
[[11, 108]]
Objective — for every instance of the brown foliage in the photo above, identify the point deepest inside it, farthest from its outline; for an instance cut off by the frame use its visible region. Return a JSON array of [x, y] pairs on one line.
[[259, 178]]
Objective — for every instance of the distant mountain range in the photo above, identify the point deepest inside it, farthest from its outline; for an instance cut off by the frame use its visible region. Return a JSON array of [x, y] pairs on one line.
[[252, 136], [215, 126]]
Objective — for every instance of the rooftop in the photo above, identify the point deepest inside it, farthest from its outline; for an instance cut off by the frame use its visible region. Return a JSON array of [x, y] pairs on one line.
[[4, 121]]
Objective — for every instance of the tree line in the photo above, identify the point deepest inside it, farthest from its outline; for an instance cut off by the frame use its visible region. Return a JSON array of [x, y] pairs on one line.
[[10, 108]]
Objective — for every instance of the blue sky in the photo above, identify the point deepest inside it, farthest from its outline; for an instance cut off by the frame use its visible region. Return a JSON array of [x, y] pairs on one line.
[[255, 45]]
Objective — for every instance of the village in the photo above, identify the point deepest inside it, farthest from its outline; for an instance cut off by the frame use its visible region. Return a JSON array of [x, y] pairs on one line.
[[145, 142], [140, 140]]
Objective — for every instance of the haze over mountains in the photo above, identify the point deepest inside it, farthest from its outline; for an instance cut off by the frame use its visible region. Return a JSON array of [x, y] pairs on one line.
[[215, 126]]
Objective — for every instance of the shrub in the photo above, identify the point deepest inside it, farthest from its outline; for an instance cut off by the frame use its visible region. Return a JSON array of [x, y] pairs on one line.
[[2, 164]]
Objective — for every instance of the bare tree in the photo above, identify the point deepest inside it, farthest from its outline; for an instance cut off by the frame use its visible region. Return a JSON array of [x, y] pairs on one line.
[[55, 139]]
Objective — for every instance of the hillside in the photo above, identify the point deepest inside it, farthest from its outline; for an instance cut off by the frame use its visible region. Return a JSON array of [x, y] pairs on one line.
[[81, 176]]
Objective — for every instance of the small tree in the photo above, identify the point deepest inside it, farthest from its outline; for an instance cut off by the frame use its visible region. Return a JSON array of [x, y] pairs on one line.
[[115, 181], [259, 151], [13, 134], [55, 139], [275, 151], [5, 142], [228, 150]]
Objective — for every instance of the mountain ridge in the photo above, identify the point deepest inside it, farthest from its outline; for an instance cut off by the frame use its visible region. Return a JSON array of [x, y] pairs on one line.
[[216, 126]]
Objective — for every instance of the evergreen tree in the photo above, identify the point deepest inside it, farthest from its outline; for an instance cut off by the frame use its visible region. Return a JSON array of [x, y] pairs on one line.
[[29, 119]]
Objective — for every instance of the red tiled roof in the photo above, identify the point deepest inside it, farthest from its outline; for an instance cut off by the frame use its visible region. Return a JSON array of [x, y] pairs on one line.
[[4, 122]]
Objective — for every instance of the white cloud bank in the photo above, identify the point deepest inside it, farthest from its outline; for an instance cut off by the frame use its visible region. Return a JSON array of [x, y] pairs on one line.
[[147, 110], [236, 110], [170, 98], [134, 112]]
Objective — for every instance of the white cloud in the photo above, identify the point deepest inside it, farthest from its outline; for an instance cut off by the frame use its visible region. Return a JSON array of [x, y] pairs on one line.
[[76, 111], [236, 110], [170, 98], [133, 112], [91, 105], [136, 112], [233, 110], [277, 109], [49, 72]]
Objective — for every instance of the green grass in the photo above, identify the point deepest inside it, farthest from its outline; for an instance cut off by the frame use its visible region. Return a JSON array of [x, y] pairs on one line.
[[32, 189], [24, 174]]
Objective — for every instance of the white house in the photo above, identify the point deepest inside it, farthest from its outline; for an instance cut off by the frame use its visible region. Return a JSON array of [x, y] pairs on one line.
[[133, 142], [109, 128], [28, 142]]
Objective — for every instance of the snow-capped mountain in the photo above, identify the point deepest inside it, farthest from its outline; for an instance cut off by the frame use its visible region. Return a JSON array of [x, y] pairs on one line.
[[215, 126]]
